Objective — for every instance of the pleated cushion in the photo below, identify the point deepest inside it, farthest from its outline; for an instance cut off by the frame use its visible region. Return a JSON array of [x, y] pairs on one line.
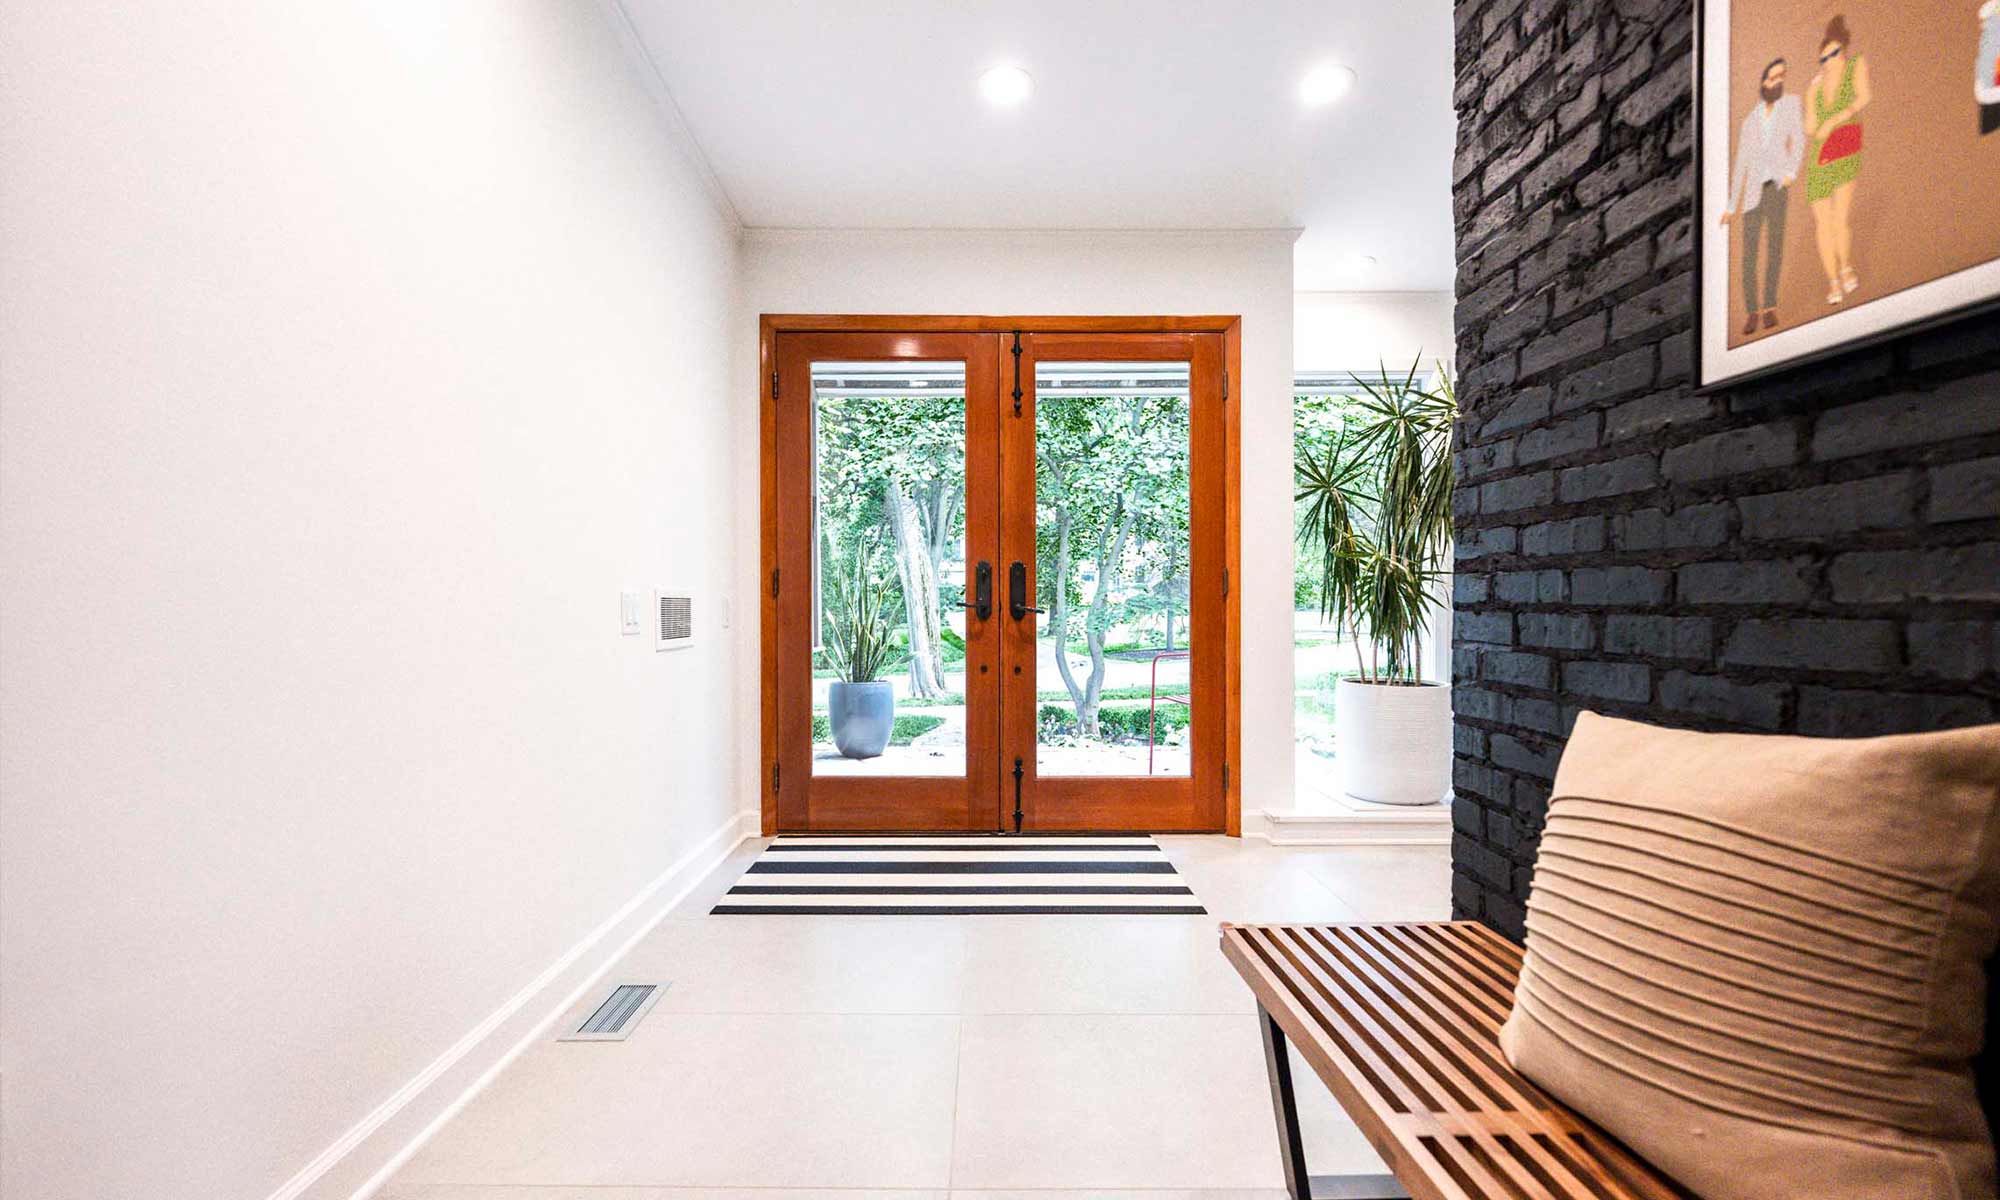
[[1758, 961]]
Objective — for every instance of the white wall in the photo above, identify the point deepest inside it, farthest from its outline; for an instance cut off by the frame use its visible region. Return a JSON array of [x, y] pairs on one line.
[[1081, 273], [352, 358], [1352, 331]]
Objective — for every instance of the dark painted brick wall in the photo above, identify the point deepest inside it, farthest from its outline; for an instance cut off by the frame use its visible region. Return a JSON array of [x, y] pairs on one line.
[[1816, 554]]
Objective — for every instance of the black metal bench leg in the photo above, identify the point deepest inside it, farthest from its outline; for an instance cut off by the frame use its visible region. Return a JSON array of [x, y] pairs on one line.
[[1291, 1143], [1291, 1146]]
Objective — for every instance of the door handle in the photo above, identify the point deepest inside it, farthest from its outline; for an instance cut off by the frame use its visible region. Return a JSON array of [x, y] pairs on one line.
[[1017, 591], [981, 604]]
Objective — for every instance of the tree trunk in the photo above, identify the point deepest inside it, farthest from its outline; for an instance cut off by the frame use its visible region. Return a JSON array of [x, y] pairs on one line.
[[920, 593], [1110, 550], [940, 509], [1059, 614]]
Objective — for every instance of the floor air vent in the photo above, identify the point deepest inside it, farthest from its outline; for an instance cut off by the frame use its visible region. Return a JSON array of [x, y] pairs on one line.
[[612, 1021]]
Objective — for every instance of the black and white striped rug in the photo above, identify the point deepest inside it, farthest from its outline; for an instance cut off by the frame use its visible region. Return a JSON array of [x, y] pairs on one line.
[[915, 876]]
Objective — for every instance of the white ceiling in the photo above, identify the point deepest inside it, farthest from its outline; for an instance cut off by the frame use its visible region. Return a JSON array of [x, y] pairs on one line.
[[1147, 114]]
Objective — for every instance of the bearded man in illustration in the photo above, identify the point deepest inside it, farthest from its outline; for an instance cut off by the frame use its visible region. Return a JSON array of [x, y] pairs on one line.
[[1768, 149]]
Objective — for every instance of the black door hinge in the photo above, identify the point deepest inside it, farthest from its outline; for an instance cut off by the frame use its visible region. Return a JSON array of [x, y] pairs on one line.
[[1225, 385], [1225, 581], [774, 383], [1017, 372], [1017, 795], [774, 581], [774, 777]]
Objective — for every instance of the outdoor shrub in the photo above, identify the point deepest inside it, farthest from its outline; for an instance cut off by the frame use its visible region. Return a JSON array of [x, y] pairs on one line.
[[1121, 723], [902, 733]]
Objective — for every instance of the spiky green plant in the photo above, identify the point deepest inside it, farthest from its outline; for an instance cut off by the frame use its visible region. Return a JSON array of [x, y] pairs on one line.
[[857, 619], [1378, 511]]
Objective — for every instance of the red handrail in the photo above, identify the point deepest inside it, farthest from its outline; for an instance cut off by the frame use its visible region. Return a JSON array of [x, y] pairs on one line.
[[1154, 698]]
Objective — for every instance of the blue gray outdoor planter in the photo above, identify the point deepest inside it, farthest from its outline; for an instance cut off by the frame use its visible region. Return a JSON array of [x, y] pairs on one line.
[[862, 716]]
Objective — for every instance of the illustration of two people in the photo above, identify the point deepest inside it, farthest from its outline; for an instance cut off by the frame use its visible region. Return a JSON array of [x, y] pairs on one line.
[[1778, 134]]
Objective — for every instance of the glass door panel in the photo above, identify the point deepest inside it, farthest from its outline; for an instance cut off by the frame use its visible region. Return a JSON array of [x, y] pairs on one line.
[[889, 570], [1114, 553]]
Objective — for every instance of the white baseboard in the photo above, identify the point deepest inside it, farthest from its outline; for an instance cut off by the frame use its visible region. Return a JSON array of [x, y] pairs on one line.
[[361, 1160]]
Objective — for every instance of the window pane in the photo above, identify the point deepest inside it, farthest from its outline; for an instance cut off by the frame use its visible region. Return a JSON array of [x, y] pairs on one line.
[[1320, 652], [1112, 569], [1322, 405], [889, 568]]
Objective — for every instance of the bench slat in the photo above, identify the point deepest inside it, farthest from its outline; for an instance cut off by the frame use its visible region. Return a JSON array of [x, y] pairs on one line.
[[1401, 1022], [1483, 1079], [1474, 1162], [1458, 1091], [1364, 1101]]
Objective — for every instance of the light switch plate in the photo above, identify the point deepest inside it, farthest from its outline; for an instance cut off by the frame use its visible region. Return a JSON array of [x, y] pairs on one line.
[[631, 613]]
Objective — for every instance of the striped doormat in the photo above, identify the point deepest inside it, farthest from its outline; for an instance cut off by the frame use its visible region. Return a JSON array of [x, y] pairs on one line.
[[915, 876]]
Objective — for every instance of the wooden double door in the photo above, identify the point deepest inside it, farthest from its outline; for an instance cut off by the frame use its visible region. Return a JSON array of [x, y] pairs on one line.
[[998, 572]]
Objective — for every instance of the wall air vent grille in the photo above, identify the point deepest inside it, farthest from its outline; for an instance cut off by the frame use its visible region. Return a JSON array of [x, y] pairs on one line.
[[613, 1019], [675, 629]]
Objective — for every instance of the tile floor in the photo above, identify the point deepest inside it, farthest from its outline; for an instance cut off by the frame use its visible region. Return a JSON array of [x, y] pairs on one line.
[[989, 1057]]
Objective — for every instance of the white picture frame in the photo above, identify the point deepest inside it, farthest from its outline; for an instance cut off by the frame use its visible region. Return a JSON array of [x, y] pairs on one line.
[[1871, 319]]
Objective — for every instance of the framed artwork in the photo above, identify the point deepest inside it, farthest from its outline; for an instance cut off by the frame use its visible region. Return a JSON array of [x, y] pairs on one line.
[[1847, 154]]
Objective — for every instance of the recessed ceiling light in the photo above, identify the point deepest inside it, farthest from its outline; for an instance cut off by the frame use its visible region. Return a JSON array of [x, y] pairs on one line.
[[1004, 87], [1356, 267], [1324, 84]]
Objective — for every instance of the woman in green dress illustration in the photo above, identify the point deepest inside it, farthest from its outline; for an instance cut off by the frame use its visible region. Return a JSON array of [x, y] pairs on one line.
[[1834, 102]]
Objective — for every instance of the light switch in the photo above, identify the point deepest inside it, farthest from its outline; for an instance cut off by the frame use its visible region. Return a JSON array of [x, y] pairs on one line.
[[631, 610]]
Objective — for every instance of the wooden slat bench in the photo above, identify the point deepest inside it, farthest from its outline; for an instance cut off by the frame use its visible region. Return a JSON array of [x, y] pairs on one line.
[[1402, 1023]]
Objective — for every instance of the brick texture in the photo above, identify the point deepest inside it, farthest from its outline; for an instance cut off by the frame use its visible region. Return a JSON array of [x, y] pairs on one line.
[[1814, 553]]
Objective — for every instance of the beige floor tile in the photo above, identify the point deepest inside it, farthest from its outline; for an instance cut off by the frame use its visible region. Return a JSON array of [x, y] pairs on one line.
[[455, 1191], [775, 964], [819, 1053], [1131, 1102], [716, 1100], [1253, 885], [1100, 965], [1386, 883], [1126, 1194]]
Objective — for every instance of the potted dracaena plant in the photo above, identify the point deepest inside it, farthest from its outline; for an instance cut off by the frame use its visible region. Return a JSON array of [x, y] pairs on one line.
[[1378, 515], [861, 708]]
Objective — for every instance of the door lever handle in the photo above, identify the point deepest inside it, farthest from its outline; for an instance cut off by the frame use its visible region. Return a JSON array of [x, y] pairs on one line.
[[1017, 591], [981, 604]]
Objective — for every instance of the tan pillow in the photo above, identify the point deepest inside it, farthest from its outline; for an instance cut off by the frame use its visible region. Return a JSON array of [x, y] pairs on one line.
[[1758, 960]]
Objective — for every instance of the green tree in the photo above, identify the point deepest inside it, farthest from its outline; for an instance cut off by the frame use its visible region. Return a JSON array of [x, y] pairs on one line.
[[1111, 493], [1377, 509], [898, 465], [1319, 423]]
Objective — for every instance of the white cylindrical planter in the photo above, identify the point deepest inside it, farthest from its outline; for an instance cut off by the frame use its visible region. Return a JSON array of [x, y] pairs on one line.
[[1392, 742]]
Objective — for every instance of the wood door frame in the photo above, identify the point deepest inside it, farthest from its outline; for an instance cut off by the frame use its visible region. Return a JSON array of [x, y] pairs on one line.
[[770, 325], [969, 800]]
